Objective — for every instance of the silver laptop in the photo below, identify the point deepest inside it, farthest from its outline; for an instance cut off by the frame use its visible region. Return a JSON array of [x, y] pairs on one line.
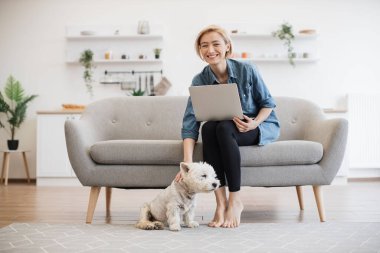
[[216, 102]]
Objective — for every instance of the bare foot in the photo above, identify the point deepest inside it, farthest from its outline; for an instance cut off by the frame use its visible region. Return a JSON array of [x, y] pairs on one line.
[[218, 219], [232, 215]]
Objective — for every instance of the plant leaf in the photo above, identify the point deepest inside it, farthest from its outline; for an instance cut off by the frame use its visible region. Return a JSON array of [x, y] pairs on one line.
[[13, 90]]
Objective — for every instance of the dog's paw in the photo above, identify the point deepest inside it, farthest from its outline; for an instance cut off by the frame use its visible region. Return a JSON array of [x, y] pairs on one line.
[[175, 227], [145, 225], [158, 225], [150, 227], [193, 224]]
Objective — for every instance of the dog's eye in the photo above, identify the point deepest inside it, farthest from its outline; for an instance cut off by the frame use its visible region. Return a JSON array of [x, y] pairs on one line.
[[204, 176]]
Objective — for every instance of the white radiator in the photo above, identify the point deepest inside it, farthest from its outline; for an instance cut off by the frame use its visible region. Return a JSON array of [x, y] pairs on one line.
[[364, 131]]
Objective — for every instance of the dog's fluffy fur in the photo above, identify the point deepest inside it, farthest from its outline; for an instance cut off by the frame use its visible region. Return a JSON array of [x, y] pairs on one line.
[[179, 199]]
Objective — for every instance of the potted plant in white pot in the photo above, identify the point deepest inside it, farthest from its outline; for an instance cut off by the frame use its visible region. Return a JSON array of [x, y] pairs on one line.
[[13, 106]]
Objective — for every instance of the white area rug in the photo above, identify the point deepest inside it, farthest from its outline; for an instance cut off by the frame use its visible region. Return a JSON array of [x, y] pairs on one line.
[[252, 237]]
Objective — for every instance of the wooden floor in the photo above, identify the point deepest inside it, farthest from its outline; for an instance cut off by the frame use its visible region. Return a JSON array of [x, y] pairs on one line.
[[21, 202]]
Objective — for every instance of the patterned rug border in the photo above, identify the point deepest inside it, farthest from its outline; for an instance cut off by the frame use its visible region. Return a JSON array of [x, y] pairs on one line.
[[249, 237]]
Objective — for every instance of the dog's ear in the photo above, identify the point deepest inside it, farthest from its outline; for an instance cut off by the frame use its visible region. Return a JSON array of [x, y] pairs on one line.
[[184, 167]]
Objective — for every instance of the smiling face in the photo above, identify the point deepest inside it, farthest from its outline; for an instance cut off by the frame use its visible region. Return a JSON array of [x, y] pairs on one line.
[[213, 48]]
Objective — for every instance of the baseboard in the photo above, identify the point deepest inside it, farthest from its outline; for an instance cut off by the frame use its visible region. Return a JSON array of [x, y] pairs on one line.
[[66, 181], [339, 180], [364, 173]]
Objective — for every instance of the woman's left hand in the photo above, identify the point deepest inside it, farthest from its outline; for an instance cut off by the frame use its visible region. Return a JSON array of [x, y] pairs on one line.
[[246, 125]]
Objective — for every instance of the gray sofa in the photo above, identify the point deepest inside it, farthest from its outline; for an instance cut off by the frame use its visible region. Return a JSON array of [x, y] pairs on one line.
[[135, 142]]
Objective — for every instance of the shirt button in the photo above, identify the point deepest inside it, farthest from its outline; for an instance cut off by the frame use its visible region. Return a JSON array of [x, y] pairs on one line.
[[148, 123], [114, 121]]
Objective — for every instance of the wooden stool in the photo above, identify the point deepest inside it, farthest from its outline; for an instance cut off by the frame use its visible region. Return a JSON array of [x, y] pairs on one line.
[[6, 159]]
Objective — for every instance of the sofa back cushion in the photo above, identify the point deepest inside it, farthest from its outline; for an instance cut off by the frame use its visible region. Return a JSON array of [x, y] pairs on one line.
[[160, 118], [138, 118], [296, 116]]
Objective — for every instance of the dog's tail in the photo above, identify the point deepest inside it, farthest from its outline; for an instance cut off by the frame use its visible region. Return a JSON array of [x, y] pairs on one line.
[[145, 221]]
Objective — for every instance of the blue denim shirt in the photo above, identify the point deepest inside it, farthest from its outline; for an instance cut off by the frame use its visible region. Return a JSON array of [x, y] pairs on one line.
[[254, 95]]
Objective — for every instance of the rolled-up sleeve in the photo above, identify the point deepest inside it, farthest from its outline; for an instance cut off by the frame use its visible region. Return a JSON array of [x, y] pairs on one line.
[[190, 126], [260, 91]]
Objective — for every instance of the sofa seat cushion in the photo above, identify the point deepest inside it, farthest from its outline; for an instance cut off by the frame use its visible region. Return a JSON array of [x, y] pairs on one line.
[[294, 152], [161, 152], [170, 152]]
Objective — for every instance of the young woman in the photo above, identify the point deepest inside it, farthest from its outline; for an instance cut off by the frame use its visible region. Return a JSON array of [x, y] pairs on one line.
[[221, 139]]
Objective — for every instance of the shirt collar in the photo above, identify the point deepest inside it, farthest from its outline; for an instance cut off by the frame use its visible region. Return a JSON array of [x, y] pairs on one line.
[[230, 69]]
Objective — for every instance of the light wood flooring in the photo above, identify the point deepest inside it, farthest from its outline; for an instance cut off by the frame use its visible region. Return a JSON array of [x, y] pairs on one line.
[[22, 202]]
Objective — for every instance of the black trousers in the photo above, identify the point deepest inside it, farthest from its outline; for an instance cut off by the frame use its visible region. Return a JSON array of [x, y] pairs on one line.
[[221, 141]]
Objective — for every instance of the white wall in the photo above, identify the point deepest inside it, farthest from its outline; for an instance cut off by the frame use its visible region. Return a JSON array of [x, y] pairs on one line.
[[32, 47]]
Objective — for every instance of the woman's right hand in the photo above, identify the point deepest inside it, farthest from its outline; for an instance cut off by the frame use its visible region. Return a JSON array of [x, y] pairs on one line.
[[178, 177]]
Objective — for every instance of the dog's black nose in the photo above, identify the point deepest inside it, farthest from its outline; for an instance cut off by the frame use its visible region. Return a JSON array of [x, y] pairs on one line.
[[214, 185]]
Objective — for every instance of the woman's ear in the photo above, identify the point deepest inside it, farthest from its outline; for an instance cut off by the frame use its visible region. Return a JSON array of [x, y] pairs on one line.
[[228, 47]]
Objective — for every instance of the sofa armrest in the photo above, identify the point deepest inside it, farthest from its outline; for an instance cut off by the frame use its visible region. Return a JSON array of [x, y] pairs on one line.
[[80, 136], [332, 134]]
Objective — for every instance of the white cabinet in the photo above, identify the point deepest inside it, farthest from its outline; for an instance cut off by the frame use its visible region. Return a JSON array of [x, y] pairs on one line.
[[53, 166], [266, 48]]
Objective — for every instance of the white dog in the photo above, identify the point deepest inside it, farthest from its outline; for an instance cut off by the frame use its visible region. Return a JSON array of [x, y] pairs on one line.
[[179, 199]]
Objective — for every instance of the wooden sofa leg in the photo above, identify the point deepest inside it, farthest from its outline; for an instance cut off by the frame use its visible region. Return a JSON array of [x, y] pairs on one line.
[[300, 196], [319, 199], [94, 194], [108, 201]]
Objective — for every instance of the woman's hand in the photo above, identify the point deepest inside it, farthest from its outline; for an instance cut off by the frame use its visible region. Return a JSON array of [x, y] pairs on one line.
[[178, 177], [246, 125]]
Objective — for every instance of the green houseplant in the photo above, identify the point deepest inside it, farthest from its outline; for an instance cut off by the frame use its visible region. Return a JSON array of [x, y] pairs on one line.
[[14, 106], [138, 92], [87, 61], [157, 53], [285, 33]]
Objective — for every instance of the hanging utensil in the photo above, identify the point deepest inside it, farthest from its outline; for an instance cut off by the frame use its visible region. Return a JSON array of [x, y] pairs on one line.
[[146, 85], [151, 85]]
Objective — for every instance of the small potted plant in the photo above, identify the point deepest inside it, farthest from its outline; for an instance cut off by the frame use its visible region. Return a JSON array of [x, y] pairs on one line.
[[138, 92], [157, 53], [87, 61], [14, 106], [285, 33]]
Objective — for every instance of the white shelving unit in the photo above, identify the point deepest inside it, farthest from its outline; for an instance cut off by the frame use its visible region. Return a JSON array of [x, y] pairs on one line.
[[120, 40], [264, 48], [130, 53]]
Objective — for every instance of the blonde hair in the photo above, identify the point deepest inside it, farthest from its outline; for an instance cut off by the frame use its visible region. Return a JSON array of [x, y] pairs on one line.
[[220, 31]]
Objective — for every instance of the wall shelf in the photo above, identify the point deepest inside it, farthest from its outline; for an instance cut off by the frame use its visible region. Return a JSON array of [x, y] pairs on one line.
[[135, 61], [116, 37], [269, 36], [297, 60], [264, 48]]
